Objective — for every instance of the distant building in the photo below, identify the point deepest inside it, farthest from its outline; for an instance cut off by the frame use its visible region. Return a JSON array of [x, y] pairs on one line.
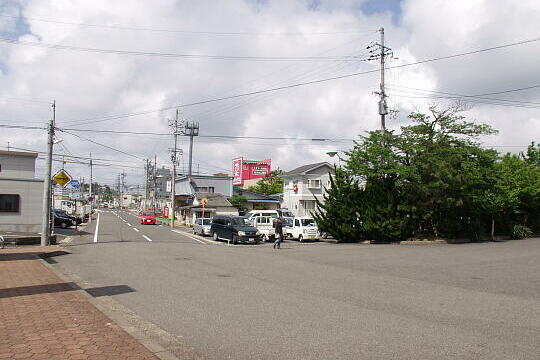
[[189, 191], [21, 194], [216, 204], [158, 188], [305, 184], [257, 201], [246, 173]]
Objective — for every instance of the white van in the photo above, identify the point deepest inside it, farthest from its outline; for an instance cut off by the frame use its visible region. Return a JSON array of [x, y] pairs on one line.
[[302, 228], [272, 213], [265, 225]]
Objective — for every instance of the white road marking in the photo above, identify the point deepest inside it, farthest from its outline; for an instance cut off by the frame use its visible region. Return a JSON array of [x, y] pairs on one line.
[[123, 220], [202, 241], [147, 238], [129, 224], [137, 230], [97, 229]]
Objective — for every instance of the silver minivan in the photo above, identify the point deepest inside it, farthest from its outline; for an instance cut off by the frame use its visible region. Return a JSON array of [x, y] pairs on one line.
[[202, 226]]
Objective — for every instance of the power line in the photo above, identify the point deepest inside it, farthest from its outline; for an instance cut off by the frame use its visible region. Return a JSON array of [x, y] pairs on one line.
[[425, 61], [22, 127], [177, 55], [183, 31], [103, 145], [480, 96], [202, 136]]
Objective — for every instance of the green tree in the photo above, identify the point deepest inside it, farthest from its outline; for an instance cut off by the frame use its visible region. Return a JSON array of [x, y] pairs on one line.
[[270, 184], [338, 215], [238, 202]]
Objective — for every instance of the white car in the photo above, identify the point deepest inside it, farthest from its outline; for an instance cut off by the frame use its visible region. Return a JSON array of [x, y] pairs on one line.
[[202, 227], [272, 213], [301, 228], [265, 225]]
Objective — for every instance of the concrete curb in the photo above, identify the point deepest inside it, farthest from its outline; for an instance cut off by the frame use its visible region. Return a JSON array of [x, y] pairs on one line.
[[158, 341]]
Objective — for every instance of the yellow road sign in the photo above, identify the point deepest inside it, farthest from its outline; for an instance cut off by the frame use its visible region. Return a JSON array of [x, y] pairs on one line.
[[62, 178], [204, 201]]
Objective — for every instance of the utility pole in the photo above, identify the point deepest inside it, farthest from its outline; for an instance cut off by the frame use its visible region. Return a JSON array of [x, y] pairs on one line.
[[155, 183], [122, 186], [90, 191], [191, 129], [145, 185], [381, 55], [383, 109], [47, 184], [174, 124]]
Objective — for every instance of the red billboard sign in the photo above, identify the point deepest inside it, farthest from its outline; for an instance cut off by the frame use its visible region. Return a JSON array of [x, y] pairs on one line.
[[249, 169]]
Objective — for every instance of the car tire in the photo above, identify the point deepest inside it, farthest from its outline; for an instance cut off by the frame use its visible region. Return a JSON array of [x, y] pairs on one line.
[[215, 236], [63, 225], [194, 232], [300, 238]]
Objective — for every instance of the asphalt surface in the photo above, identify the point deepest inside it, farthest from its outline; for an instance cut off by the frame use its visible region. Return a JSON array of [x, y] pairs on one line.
[[318, 300]]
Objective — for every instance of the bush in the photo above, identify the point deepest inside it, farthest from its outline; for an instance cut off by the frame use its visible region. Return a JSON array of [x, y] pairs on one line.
[[520, 232]]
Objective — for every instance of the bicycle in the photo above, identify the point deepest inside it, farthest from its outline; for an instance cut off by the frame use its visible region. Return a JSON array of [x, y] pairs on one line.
[[2, 242]]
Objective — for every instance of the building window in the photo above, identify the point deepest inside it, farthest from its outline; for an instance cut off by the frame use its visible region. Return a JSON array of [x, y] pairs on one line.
[[9, 203], [314, 184]]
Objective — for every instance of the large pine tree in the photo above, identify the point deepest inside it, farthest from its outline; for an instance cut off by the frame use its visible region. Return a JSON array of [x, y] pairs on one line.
[[337, 215]]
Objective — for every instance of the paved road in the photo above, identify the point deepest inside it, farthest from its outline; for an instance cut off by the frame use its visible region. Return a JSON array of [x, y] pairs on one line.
[[321, 301]]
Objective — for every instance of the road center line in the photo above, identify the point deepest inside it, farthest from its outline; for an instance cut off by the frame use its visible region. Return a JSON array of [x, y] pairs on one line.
[[97, 229], [129, 224], [147, 238], [137, 230]]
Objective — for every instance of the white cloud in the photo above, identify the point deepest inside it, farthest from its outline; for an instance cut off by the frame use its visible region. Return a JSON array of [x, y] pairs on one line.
[[88, 85]]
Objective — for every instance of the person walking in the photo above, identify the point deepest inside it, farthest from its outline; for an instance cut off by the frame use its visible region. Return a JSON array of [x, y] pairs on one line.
[[278, 225]]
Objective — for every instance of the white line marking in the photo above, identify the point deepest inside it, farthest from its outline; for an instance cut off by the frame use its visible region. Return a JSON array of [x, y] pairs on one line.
[[147, 238], [137, 230], [205, 242], [129, 224], [97, 229], [123, 220]]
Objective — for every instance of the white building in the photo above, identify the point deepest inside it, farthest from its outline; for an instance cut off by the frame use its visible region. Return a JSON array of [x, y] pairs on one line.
[[190, 190], [21, 194], [303, 185]]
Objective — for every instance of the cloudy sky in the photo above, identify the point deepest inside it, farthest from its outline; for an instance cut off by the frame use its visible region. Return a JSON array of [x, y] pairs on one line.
[[243, 46]]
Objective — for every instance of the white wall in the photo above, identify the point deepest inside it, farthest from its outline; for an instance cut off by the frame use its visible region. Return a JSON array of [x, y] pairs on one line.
[[14, 166], [30, 210]]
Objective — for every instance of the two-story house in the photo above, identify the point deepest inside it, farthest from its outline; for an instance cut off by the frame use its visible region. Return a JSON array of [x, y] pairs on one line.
[[191, 190], [21, 194], [305, 184]]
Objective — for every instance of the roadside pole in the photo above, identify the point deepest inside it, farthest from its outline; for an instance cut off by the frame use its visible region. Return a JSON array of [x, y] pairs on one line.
[[90, 190], [191, 130], [47, 184], [174, 159]]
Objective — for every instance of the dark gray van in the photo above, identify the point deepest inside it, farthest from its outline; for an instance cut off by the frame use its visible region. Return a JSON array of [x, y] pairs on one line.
[[234, 228]]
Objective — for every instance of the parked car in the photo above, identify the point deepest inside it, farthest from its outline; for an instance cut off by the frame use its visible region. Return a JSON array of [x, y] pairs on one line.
[[147, 218], [301, 228], [202, 227], [265, 225], [63, 220], [285, 213], [253, 213], [234, 228]]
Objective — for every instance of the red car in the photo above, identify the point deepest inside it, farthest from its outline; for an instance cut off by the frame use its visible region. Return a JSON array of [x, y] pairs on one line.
[[147, 217]]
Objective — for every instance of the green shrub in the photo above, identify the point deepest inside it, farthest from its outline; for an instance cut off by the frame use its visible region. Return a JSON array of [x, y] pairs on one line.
[[520, 232]]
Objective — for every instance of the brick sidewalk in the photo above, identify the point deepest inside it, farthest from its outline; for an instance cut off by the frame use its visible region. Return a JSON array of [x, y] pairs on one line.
[[43, 317]]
